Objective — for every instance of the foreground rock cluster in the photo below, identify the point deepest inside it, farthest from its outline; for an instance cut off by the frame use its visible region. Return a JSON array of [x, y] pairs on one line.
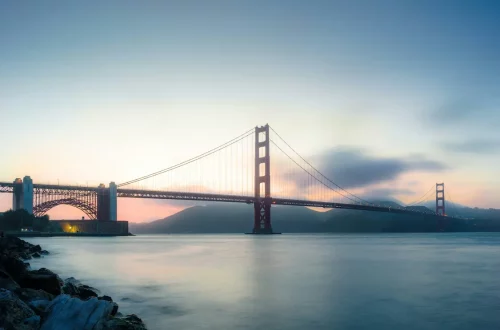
[[40, 299]]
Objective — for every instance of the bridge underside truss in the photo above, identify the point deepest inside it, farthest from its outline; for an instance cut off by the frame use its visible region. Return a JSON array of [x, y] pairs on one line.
[[45, 198], [6, 188], [88, 209]]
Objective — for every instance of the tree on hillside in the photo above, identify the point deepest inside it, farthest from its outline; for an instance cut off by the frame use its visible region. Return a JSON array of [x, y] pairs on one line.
[[18, 219]]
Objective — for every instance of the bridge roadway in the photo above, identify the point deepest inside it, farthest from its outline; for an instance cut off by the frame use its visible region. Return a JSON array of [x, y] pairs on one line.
[[173, 195], [132, 193]]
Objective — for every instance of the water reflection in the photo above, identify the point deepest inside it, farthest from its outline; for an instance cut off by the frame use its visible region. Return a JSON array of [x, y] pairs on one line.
[[291, 281]]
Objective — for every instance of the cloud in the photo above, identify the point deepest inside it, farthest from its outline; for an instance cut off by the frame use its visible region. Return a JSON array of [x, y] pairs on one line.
[[464, 113], [453, 112], [354, 168], [386, 194], [381, 193], [477, 146]]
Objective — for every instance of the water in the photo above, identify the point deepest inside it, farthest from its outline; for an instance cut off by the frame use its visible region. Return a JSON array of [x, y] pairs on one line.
[[381, 281]]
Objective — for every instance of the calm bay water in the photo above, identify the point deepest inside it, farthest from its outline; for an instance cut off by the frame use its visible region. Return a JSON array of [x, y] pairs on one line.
[[381, 281]]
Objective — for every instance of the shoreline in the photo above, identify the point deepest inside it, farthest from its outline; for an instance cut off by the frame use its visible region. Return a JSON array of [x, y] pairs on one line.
[[40, 299], [63, 234]]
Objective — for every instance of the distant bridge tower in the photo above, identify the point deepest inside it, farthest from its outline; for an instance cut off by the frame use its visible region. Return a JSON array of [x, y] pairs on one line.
[[22, 198], [440, 202], [262, 203]]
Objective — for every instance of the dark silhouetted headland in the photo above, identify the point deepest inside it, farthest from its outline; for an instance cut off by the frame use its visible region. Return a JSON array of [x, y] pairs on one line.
[[233, 218]]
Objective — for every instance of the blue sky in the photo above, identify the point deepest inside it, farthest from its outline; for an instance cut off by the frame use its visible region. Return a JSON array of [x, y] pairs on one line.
[[92, 89]]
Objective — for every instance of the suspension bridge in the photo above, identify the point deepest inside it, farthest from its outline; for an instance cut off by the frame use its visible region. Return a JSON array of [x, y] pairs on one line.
[[238, 171]]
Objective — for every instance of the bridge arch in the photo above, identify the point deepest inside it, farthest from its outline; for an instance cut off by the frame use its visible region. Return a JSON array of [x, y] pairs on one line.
[[89, 209]]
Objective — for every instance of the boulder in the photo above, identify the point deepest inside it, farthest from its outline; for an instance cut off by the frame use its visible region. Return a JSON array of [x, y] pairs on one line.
[[27, 295], [129, 322], [65, 312], [73, 287], [86, 292], [44, 252], [107, 298], [15, 314], [70, 289], [36, 255], [13, 266], [35, 248], [13, 244], [32, 322], [41, 279], [114, 311], [24, 256], [49, 272], [6, 282], [39, 306]]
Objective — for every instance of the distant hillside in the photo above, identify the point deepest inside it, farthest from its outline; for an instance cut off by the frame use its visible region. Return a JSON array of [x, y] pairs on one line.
[[238, 218], [231, 218], [453, 209]]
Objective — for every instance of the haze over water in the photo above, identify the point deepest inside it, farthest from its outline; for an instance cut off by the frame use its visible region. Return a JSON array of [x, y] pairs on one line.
[[379, 281]]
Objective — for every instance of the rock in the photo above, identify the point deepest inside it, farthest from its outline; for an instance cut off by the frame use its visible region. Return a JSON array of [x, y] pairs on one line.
[[115, 308], [33, 322], [39, 306], [73, 281], [27, 295], [44, 252], [15, 314], [24, 256], [36, 248], [86, 292], [65, 312], [70, 289], [49, 272], [36, 255], [14, 244], [13, 266], [129, 322], [42, 279], [73, 287], [107, 298], [6, 282]]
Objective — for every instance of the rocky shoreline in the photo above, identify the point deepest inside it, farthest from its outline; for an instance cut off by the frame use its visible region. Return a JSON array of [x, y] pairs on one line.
[[40, 299]]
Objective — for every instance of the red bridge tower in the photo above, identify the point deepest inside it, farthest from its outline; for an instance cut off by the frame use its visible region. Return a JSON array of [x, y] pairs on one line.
[[262, 203], [440, 205]]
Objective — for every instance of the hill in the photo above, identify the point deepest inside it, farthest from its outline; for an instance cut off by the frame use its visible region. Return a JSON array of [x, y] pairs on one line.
[[231, 218], [238, 218]]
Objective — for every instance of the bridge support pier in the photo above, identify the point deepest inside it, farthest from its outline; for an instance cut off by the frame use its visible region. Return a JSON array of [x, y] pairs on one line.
[[107, 202], [113, 202], [262, 217], [22, 198]]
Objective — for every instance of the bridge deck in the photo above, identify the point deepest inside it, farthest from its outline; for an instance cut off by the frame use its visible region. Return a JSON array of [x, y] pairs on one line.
[[8, 187], [132, 193]]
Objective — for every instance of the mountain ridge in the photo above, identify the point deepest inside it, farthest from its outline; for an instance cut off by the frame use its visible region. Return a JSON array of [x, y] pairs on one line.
[[238, 218]]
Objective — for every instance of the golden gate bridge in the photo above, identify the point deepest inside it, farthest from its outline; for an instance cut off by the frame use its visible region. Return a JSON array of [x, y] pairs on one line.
[[238, 171]]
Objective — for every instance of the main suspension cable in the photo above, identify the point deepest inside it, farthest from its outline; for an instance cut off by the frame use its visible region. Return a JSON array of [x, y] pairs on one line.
[[222, 146], [325, 177]]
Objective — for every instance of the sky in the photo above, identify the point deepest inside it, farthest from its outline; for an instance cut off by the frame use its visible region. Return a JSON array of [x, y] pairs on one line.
[[386, 97]]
